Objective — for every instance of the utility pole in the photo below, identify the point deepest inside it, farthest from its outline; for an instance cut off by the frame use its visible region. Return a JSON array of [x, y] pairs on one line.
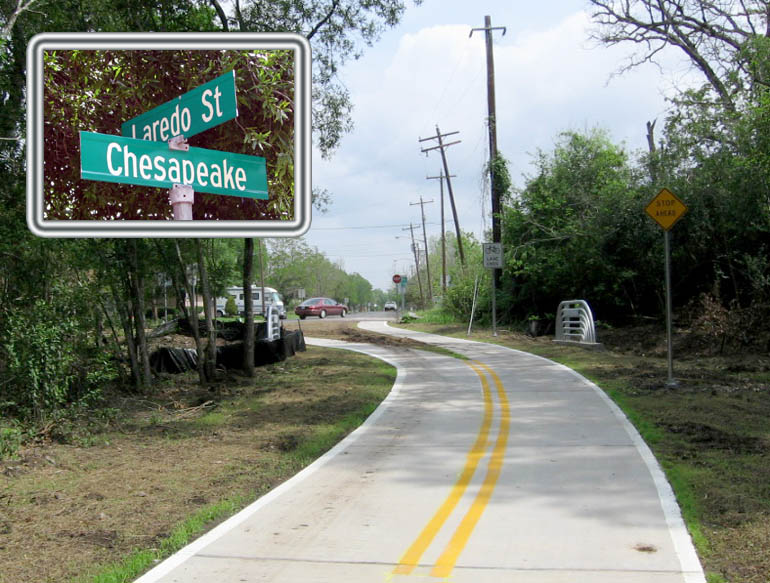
[[422, 204], [488, 28], [441, 145], [416, 262], [443, 234]]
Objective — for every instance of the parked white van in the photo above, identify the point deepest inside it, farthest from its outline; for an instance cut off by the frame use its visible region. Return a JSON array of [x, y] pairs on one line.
[[272, 298]]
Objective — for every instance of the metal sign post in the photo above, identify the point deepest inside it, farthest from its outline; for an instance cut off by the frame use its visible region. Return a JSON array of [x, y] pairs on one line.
[[493, 259], [181, 196], [666, 209]]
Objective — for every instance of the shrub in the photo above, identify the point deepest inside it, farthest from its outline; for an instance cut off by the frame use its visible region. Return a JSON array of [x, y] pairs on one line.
[[230, 308], [39, 359]]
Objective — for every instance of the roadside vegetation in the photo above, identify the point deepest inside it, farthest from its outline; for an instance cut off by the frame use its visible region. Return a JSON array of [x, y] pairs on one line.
[[185, 457]]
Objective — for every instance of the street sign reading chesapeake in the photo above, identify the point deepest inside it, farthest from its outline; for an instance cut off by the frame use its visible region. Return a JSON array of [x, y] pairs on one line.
[[149, 163], [666, 209], [191, 113]]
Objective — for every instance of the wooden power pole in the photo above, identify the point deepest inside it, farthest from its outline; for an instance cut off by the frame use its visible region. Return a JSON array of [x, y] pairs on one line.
[[416, 261], [422, 204], [496, 232], [443, 234], [441, 146]]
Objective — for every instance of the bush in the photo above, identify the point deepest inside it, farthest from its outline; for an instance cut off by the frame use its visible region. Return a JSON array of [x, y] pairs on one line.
[[39, 360], [45, 366], [10, 441], [230, 308]]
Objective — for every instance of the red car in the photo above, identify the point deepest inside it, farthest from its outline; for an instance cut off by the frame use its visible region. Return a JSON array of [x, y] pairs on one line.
[[320, 307]]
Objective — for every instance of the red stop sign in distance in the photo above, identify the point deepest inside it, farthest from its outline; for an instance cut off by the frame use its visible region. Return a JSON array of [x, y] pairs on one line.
[[396, 278]]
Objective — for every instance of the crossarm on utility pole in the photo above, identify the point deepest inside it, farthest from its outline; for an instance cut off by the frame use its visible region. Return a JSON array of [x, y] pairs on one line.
[[442, 146]]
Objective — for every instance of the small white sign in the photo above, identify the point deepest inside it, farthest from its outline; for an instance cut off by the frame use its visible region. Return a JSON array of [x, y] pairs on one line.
[[493, 255]]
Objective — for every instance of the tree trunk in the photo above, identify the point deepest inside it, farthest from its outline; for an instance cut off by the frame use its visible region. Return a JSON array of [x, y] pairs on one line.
[[191, 314], [210, 364], [125, 321], [137, 291], [248, 305]]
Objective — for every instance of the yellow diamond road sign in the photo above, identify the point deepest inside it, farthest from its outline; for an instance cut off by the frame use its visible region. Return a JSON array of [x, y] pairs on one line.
[[666, 209]]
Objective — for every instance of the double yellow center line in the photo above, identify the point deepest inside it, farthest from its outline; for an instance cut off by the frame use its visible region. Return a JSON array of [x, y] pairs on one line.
[[446, 561]]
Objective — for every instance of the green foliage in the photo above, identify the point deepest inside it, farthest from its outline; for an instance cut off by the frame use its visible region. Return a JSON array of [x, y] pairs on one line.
[[231, 309], [437, 315], [11, 438], [46, 366], [39, 360], [575, 230], [292, 264]]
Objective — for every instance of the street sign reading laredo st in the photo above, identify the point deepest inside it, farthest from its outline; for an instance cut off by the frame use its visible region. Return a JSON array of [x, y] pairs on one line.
[[191, 113], [132, 161]]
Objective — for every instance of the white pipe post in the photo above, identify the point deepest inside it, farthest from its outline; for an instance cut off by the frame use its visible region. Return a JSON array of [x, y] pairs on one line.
[[181, 196]]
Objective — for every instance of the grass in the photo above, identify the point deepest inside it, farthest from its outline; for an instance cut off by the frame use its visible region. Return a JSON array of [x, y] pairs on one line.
[[140, 561]]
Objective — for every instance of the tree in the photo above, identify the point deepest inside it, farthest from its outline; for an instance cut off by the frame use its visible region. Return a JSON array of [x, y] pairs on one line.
[[719, 38], [576, 231], [335, 29]]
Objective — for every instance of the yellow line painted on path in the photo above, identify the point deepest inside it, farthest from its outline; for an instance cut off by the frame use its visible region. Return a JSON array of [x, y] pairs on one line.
[[411, 558], [448, 558]]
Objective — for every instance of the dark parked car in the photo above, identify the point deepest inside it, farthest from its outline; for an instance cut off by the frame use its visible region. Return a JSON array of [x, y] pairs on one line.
[[320, 307]]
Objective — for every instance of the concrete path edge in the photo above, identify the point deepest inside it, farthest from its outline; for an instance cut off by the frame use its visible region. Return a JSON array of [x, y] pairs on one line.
[[169, 564], [680, 536]]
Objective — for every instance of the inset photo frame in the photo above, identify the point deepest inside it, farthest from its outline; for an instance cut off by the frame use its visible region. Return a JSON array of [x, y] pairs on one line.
[[169, 135]]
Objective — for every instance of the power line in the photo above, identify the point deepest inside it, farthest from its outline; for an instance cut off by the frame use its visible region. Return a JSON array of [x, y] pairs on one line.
[[360, 227]]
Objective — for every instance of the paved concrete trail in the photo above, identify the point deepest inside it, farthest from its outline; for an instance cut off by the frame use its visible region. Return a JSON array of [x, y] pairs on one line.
[[502, 468]]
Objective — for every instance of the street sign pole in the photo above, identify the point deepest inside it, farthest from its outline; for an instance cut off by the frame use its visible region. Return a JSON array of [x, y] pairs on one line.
[[666, 209], [494, 304], [181, 196], [671, 382], [493, 259]]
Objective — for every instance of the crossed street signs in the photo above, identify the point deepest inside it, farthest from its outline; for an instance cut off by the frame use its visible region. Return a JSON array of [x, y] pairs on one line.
[[142, 155]]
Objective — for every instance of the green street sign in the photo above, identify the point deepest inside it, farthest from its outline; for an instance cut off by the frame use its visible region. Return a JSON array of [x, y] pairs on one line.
[[204, 107], [132, 161]]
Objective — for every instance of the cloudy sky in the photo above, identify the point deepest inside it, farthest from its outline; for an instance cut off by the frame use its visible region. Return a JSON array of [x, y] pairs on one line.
[[427, 72]]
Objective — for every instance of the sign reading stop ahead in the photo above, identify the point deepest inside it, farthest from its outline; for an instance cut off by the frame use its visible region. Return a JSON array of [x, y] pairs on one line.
[[396, 278], [666, 209]]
